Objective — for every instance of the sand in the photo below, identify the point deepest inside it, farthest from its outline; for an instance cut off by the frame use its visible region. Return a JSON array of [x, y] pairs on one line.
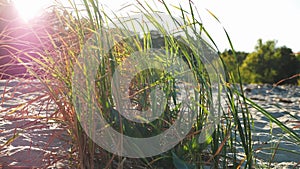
[[283, 103], [40, 143]]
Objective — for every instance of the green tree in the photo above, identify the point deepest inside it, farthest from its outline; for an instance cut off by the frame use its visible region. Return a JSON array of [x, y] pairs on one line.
[[232, 61], [269, 64]]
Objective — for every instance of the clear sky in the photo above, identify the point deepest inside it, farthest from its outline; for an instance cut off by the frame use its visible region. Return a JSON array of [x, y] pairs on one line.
[[245, 21]]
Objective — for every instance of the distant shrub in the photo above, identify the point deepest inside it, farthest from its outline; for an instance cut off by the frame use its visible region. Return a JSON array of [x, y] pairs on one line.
[[270, 64]]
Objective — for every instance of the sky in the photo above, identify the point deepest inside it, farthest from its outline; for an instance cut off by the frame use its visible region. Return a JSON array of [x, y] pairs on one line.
[[245, 21]]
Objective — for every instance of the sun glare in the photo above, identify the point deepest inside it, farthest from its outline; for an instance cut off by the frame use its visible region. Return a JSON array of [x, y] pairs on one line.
[[29, 9]]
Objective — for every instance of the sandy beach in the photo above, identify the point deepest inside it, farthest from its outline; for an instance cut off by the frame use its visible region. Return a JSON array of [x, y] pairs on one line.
[[270, 142], [39, 144]]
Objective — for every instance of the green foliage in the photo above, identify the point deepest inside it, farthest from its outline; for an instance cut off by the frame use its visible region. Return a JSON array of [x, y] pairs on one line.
[[232, 61], [267, 64], [180, 164], [270, 64]]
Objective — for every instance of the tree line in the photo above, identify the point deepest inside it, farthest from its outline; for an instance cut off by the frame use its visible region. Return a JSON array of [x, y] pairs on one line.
[[266, 64]]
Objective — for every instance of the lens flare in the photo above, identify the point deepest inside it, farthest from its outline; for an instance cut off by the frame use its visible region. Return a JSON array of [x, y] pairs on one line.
[[29, 9]]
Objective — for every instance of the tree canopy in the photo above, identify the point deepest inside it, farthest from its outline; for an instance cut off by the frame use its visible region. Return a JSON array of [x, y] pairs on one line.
[[266, 64]]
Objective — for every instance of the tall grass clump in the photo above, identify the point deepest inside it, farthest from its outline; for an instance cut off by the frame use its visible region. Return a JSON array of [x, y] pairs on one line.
[[86, 37], [32, 98]]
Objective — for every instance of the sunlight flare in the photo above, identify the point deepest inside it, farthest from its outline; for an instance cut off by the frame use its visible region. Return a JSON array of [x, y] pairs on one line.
[[29, 9]]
